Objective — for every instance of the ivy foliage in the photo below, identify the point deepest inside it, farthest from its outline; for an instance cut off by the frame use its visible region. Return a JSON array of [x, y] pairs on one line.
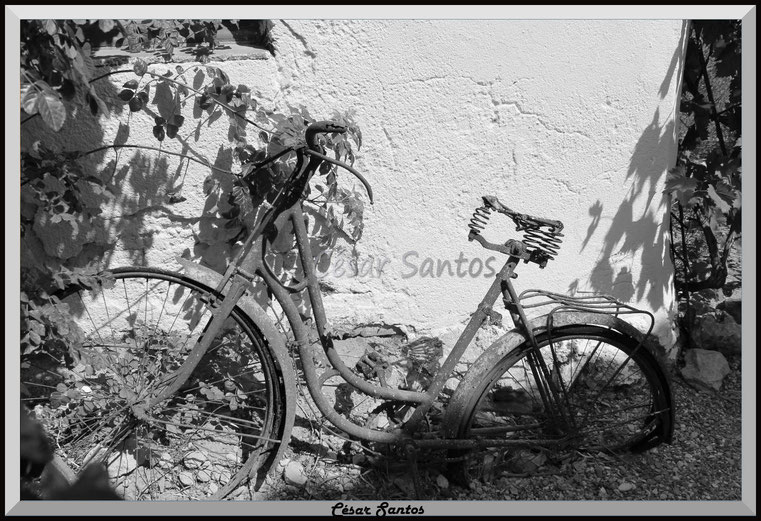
[[706, 183], [56, 56], [57, 79]]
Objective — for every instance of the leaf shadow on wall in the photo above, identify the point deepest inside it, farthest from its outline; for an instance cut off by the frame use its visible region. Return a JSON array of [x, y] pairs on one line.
[[637, 233], [632, 238]]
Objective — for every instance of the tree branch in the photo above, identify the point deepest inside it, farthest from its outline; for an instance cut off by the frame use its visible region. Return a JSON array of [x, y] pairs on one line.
[[709, 91], [204, 163]]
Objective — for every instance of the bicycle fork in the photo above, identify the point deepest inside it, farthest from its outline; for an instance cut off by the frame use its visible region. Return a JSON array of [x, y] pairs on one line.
[[553, 394]]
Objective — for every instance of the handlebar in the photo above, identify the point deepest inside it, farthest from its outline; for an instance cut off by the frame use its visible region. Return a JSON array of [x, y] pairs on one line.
[[343, 165], [322, 127], [315, 150]]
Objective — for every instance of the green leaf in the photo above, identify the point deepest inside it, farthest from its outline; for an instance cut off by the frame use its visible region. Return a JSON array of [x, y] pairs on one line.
[[126, 95], [158, 132], [51, 109], [34, 338], [171, 130], [131, 84], [680, 186], [717, 199], [140, 67], [106, 25], [96, 103], [80, 66], [51, 27], [29, 100], [227, 91], [135, 104]]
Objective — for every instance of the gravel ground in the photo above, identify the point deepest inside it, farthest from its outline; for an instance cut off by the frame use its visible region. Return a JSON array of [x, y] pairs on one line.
[[702, 463]]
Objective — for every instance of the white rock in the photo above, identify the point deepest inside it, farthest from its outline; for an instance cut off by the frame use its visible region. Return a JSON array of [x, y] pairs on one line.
[[231, 457], [718, 331], [382, 421], [302, 434], [186, 479], [203, 476], [442, 481], [194, 460], [294, 474], [626, 486], [705, 368]]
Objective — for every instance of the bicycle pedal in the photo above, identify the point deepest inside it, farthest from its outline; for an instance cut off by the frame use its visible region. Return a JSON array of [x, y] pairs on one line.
[[373, 365]]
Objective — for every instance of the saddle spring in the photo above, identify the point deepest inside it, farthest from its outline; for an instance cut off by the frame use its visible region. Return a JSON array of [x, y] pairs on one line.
[[479, 220], [545, 241]]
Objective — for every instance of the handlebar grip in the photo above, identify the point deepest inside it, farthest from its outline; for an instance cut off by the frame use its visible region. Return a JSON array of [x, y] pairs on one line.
[[322, 127]]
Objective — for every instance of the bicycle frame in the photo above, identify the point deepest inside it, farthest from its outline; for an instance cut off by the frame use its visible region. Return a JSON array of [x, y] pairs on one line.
[[288, 207]]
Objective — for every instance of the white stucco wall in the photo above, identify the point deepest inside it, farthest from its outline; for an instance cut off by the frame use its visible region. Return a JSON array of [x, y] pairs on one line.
[[571, 120]]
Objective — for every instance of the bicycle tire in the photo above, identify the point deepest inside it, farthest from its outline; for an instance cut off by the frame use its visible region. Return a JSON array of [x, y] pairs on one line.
[[218, 431], [508, 398]]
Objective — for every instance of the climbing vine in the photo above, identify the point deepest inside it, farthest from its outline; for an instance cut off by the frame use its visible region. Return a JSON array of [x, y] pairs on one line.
[[707, 182], [58, 81]]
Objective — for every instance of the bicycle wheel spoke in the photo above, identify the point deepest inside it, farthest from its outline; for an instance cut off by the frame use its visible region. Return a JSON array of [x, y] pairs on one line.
[[231, 419], [95, 327], [207, 429], [612, 398], [136, 332]]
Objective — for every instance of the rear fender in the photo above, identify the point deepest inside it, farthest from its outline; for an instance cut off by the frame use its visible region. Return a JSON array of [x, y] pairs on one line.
[[514, 339]]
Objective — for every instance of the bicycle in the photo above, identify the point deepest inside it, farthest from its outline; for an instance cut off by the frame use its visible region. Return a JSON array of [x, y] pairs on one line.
[[185, 383]]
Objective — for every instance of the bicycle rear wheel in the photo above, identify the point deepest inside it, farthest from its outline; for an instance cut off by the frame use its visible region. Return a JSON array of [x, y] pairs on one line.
[[613, 398], [220, 429]]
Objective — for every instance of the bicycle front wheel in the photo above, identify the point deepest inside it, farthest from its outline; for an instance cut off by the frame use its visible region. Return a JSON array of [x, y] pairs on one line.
[[612, 397], [220, 429]]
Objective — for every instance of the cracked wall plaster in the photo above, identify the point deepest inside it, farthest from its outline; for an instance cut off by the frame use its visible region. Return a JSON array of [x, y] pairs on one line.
[[555, 118]]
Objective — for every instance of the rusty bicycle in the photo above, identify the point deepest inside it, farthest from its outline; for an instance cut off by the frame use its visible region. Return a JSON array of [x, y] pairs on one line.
[[186, 388]]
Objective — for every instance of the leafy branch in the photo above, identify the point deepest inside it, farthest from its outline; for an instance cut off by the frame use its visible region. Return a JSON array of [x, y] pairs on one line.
[[58, 189], [706, 183]]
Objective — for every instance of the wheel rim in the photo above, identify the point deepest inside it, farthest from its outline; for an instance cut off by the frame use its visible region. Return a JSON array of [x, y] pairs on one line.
[[607, 394], [200, 443]]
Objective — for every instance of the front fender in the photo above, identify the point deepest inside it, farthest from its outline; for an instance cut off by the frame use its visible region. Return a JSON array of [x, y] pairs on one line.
[[274, 339], [512, 340]]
